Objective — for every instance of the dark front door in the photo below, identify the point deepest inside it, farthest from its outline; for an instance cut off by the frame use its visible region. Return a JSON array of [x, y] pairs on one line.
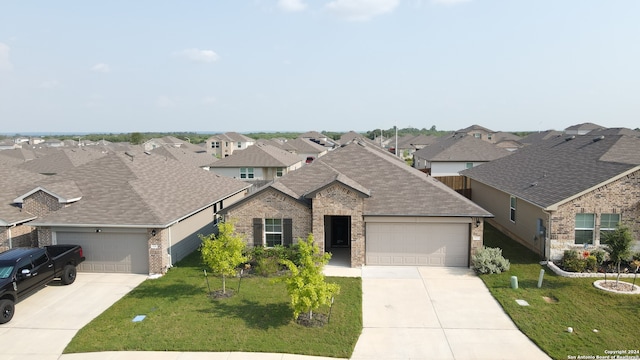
[[340, 231]]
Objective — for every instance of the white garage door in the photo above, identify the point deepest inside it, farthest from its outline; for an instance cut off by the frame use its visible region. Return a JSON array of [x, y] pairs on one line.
[[425, 244], [110, 252]]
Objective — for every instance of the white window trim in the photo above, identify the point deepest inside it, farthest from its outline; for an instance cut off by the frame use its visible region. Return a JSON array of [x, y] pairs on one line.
[[592, 229], [265, 232]]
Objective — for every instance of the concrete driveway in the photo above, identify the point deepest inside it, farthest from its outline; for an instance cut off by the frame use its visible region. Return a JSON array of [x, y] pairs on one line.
[[435, 313], [45, 322]]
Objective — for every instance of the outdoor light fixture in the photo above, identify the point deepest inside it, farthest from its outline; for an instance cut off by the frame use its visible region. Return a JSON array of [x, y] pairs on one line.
[[98, 230], [153, 232], [477, 222]]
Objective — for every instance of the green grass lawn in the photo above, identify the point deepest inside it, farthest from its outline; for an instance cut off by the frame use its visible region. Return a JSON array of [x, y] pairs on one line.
[[180, 316], [579, 305]]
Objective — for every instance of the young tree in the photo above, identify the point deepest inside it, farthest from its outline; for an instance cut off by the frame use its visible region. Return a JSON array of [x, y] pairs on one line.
[[223, 252], [619, 244], [306, 283]]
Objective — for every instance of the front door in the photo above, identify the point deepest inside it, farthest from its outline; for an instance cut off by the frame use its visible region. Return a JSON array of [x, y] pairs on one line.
[[340, 231]]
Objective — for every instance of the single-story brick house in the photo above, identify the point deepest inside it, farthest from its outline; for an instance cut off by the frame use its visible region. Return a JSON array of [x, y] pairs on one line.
[[132, 212], [361, 199], [564, 192]]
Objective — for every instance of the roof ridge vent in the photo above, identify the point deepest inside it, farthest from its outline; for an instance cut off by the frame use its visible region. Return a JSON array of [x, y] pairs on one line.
[[601, 137]]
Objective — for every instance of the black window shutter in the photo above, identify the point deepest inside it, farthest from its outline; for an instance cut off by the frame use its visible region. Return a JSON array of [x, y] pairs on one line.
[[287, 232], [257, 232]]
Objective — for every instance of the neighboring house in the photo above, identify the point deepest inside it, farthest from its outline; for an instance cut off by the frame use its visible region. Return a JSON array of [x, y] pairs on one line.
[[564, 192], [362, 200], [8, 144], [320, 139], [537, 137], [582, 129], [13, 231], [223, 145], [477, 132], [409, 144], [305, 148], [186, 155], [258, 162], [506, 140], [453, 154], [133, 212], [54, 143]]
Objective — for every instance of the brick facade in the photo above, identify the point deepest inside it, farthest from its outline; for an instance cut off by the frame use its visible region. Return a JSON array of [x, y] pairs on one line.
[[18, 236], [158, 245], [41, 203], [342, 201], [619, 197], [271, 204]]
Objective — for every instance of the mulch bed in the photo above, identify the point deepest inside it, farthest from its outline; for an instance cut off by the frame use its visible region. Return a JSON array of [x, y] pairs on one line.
[[218, 294], [621, 286], [319, 320]]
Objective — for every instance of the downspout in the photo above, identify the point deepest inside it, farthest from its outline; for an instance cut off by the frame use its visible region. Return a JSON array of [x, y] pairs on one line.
[[9, 236], [170, 254], [547, 237]]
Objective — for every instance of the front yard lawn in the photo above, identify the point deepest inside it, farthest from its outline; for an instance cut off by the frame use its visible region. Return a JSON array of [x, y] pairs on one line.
[[180, 316], [572, 303]]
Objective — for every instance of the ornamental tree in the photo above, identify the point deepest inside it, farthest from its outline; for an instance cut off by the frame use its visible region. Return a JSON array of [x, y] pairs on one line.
[[618, 242], [223, 253], [305, 283]]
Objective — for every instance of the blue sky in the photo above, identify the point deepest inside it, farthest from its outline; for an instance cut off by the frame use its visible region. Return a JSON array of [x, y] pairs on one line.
[[299, 65]]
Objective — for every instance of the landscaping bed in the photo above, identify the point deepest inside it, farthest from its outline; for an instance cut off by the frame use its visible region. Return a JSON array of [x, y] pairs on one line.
[[182, 316], [601, 321]]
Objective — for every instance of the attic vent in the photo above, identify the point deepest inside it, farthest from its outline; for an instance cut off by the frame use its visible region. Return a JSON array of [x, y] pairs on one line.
[[570, 138], [129, 155], [601, 137], [147, 152]]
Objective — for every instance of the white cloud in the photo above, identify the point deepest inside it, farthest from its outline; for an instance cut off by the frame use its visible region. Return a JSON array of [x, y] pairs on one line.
[[361, 10], [5, 62], [49, 84], [292, 5], [101, 67], [197, 55], [164, 101]]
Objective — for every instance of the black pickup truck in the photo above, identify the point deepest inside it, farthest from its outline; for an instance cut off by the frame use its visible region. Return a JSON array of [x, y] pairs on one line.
[[23, 270]]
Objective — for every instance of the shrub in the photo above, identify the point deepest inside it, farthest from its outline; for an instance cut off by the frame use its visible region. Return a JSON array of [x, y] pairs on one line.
[[267, 266], [489, 261], [591, 263], [636, 256], [600, 255]]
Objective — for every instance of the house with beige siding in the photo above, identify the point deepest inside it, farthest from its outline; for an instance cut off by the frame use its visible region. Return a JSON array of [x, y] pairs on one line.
[[564, 192], [364, 202], [258, 162]]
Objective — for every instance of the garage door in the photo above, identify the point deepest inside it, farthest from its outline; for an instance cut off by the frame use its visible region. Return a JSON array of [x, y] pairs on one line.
[[427, 244], [110, 252]]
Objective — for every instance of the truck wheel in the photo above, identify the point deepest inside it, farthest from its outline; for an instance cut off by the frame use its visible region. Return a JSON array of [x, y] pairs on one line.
[[6, 310], [68, 274]]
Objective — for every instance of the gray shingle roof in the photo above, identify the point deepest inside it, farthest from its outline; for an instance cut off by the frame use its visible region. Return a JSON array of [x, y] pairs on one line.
[[536, 137], [395, 189], [12, 182], [259, 155], [138, 190], [55, 161], [461, 148], [554, 170]]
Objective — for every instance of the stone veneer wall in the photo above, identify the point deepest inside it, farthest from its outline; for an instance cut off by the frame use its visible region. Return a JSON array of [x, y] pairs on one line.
[[339, 200], [45, 236], [271, 204], [621, 196]]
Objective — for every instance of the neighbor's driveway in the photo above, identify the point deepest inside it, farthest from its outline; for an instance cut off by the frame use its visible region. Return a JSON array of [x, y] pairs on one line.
[[435, 313], [45, 322]]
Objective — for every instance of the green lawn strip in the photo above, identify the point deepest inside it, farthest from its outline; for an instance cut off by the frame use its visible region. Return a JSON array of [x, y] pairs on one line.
[[181, 317], [579, 305]]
